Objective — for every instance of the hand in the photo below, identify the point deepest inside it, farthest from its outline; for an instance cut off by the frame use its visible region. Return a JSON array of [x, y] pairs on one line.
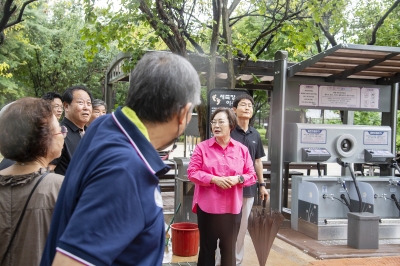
[[263, 193], [234, 180], [222, 182]]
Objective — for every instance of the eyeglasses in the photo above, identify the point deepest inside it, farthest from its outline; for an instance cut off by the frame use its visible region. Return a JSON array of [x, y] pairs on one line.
[[64, 131], [250, 105], [219, 122], [58, 107]]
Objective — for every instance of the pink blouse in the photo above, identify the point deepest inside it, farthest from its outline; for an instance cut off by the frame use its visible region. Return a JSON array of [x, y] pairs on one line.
[[208, 160]]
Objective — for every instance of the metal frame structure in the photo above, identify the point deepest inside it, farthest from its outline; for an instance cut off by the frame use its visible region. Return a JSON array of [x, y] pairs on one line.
[[342, 64], [262, 70]]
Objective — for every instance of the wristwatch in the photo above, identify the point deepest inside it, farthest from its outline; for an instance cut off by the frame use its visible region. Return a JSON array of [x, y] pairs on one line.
[[263, 184], [241, 179]]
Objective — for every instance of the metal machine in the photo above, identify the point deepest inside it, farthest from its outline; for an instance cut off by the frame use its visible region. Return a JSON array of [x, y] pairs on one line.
[[184, 190], [320, 205]]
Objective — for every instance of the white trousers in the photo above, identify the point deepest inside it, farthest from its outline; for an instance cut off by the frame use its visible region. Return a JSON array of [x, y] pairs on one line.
[[246, 209]]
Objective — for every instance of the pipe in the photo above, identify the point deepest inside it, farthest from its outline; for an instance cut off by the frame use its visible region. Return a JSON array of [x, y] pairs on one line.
[[395, 201]]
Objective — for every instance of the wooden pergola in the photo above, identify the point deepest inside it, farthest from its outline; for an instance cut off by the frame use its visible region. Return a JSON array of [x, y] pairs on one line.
[[253, 75], [353, 62]]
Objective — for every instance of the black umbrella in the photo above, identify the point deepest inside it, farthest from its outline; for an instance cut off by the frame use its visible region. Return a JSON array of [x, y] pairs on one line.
[[263, 228]]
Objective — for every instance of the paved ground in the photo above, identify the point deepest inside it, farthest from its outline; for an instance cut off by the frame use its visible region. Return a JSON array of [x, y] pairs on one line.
[[385, 261], [281, 253]]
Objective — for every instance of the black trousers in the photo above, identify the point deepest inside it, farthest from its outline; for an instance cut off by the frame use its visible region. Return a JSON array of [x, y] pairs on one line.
[[213, 226]]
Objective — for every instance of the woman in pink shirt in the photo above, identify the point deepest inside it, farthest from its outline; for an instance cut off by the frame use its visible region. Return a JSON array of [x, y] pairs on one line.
[[220, 167]]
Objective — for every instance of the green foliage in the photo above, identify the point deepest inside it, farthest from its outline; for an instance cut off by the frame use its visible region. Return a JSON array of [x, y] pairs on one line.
[[67, 43], [263, 136], [126, 28], [333, 121], [46, 53], [261, 107], [121, 90], [367, 13], [367, 118], [13, 54]]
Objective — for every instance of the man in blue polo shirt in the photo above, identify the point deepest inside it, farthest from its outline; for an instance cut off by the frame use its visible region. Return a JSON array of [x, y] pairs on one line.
[[109, 211]]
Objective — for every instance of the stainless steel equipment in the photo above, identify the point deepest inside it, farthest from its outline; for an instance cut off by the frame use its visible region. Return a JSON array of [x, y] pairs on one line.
[[320, 205], [184, 190], [336, 141], [318, 211]]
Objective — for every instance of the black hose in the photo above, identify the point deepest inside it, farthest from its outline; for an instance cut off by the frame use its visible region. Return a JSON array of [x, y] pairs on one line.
[[345, 188], [343, 197], [395, 201], [319, 169], [356, 185], [344, 165]]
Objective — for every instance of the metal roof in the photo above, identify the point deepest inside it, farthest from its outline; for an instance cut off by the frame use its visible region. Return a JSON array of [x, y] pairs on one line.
[[348, 61]]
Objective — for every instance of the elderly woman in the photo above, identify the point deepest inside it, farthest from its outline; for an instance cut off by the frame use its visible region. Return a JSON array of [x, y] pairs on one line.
[[31, 136], [99, 109], [220, 167]]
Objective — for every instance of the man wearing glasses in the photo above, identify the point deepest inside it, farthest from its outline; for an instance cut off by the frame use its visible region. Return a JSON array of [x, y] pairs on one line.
[[56, 102]]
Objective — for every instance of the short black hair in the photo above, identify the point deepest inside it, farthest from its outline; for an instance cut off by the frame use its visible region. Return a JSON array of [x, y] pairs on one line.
[[241, 97], [68, 95], [51, 95]]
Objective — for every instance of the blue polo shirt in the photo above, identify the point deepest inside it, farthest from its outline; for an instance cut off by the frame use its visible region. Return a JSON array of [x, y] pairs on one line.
[[109, 211]]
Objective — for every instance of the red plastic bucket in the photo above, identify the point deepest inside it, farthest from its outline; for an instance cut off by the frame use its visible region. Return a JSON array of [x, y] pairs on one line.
[[185, 239]]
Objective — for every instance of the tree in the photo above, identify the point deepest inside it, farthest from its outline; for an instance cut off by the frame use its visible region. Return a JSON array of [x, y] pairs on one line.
[[46, 53], [13, 51], [58, 61], [259, 28], [377, 23], [9, 12], [180, 25]]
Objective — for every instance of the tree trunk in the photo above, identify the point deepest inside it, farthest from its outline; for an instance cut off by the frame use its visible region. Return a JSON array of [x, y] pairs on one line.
[[211, 72], [228, 39]]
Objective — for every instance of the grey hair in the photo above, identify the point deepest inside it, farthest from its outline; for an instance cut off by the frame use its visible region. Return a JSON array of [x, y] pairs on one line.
[[162, 84], [98, 102]]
